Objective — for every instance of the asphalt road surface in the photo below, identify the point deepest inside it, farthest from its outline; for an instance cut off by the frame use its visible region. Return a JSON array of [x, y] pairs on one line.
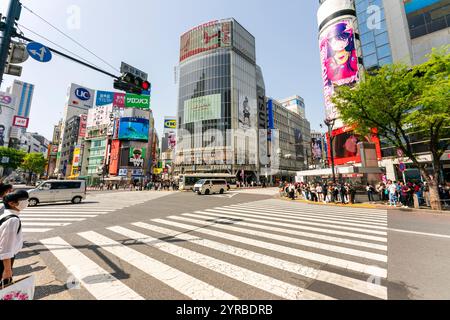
[[241, 245]]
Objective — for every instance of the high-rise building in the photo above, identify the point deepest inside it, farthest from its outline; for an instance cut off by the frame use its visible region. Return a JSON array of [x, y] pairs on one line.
[[295, 104], [218, 91]]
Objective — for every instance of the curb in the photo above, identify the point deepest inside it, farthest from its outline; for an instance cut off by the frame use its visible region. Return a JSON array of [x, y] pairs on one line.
[[361, 206]]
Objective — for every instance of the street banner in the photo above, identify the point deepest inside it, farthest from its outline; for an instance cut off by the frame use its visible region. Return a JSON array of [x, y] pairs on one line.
[[137, 101], [104, 98]]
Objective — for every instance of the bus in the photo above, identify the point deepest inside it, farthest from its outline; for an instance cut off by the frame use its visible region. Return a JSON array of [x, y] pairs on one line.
[[187, 181]]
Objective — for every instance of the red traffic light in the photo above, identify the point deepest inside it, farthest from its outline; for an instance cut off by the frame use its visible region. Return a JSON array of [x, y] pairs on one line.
[[145, 85]]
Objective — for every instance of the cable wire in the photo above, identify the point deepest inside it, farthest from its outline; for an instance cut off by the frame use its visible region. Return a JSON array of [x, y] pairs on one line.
[[55, 44], [69, 37]]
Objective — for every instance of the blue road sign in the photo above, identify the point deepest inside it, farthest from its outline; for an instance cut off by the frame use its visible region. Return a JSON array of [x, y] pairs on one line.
[[39, 52]]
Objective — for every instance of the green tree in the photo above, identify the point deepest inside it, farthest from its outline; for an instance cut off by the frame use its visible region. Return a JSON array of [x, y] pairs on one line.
[[399, 101], [15, 157], [34, 163]]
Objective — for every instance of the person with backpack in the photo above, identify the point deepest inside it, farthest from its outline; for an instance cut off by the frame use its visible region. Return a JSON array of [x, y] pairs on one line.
[[11, 237]]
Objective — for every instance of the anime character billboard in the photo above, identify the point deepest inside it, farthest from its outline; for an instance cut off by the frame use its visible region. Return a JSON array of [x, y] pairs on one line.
[[339, 61]]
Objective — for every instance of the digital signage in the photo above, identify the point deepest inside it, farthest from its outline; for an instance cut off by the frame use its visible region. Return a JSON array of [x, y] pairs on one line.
[[339, 60], [203, 108], [134, 129], [209, 36]]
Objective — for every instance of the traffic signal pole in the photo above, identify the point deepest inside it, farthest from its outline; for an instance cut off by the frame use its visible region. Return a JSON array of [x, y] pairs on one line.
[[14, 11]]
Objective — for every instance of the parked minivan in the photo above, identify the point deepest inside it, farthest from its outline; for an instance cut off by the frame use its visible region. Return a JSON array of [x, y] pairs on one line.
[[211, 186], [58, 191]]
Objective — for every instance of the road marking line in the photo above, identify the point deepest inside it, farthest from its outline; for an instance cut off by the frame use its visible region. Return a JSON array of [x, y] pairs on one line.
[[284, 265], [68, 212], [433, 235], [260, 281], [56, 216], [180, 281], [301, 218], [301, 211], [100, 283], [327, 260], [264, 216], [34, 230], [47, 224], [301, 242], [52, 219], [307, 234]]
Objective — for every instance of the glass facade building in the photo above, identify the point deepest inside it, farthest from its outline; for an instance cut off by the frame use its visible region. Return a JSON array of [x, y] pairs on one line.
[[376, 48], [217, 96]]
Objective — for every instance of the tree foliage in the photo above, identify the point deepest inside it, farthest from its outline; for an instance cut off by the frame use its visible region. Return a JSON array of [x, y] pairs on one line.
[[15, 157], [34, 163]]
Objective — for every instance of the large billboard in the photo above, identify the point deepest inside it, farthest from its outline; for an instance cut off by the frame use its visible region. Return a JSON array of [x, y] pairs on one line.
[[416, 5], [170, 124], [80, 96], [345, 145], [203, 108], [248, 112], [137, 157], [114, 158], [209, 36], [7, 111], [134, 129], [99, 116], [339, 61], [317, 150]]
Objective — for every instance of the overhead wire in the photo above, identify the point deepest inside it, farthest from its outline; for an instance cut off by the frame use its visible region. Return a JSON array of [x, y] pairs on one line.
[[69, 37]]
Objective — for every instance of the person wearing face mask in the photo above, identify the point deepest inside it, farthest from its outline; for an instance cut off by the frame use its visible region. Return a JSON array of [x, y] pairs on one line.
[[11, 237]]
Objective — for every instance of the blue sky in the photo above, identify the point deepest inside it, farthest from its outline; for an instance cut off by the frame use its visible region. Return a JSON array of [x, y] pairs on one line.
[[146, 33]]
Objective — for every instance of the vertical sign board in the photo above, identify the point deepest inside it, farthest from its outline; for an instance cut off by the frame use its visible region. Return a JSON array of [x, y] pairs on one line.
[[114, 160]]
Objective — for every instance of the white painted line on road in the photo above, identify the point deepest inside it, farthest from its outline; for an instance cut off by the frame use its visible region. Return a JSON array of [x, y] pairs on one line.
[[324, 214], [271, 217], [35, 230], [284, 265], [327, 260], [56, 216], [47, 224], [52, 219], [100, 283], [67, 212], [271, 236], [307, 234], [260, 281], [180, 281], [301, 218], [433, 235]]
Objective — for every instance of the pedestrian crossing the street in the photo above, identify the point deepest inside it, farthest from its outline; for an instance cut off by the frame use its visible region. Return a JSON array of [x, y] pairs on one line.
[[260, 250], [45, 218]]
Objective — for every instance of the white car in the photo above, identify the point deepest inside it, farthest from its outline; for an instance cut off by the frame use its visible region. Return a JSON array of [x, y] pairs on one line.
[[58, 191], [211, 186]]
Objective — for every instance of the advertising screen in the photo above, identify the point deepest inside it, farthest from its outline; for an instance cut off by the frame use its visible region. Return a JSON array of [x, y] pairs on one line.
[[339, 60], [208, 36], [134, 129], [137, 157], [203, 108], [115, 154], [316, 146], [99, 116], [345, 145], [248, 112]]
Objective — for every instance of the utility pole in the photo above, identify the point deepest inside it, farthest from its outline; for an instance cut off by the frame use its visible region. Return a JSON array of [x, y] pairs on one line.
[[15, 8]]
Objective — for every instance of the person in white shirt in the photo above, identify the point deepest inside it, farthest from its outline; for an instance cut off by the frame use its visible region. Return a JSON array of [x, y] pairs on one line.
[[11, 237]]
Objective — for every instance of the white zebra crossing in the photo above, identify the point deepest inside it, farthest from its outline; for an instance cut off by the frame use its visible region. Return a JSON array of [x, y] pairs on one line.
[[195, 238], [42, 219]]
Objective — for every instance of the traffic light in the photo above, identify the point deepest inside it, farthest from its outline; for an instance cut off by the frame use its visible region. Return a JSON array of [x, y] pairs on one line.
[[17, 54], [132, 84]]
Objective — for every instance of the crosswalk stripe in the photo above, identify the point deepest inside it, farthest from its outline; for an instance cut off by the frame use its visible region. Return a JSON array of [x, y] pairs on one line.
[[260, 281], [57, 216], [47, 224], [185, 284], [271, 217], [310, 235], [302, 218], [298, 215], [68, 212], [71, 209], [301, 242], [52, 219], [35, 230], [327, 260], [284, 265], [347, 211], [328, 214], [100, 283]]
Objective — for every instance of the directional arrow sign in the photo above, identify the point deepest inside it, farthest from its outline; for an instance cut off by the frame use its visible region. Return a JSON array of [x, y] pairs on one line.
[[39, 52]]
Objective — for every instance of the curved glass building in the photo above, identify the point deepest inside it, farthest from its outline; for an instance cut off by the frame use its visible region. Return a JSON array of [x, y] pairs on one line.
[[218, 111]]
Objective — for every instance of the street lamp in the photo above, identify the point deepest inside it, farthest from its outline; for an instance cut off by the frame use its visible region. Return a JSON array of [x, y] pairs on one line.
[[330, 124]]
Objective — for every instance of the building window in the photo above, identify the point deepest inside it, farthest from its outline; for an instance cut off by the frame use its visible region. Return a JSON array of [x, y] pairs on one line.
[[429, 19]]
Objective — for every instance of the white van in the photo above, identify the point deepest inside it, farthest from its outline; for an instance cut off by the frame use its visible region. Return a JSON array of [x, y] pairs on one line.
[[211, 186], [58, 191]]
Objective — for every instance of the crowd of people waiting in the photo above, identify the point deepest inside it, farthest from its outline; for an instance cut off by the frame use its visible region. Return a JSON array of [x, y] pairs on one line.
[[344, 193]]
